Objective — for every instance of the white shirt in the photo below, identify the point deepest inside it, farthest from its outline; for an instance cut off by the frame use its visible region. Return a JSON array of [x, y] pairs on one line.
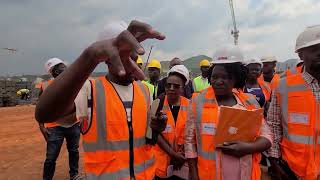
[[82, 107], [126, 95]]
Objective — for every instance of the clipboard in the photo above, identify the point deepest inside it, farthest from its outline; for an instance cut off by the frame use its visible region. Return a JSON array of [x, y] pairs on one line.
[[238, 124]]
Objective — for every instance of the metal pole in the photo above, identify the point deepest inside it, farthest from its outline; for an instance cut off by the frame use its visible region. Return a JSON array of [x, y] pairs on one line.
[[145, 67]]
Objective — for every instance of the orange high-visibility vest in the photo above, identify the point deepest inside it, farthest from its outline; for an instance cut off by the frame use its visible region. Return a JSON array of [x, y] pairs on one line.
[[174, 134], [292, 71], [107, 142], [44, 86], [205, 108], [300, 144], [266, 89], [38, 85], [274, 82]]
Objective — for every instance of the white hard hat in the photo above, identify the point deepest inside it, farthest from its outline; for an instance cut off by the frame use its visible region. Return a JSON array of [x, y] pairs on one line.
[[181, 69], [268, 59], [51, 63], [225, 55], [309, 37], [112, 30], [254, 61]]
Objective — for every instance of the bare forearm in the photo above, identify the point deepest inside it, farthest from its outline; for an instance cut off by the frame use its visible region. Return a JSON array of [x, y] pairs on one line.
[[58, 99], [261, 144], [162, 143]]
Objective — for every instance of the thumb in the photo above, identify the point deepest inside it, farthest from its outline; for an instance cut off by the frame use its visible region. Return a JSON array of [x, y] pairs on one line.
[[229, 143]]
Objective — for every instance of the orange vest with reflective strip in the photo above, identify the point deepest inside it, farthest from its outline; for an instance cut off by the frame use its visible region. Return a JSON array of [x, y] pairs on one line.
[[292, 71], [174, 134], [300, 144], [266, 89], [274, 82], [205, 108], [44, 86], [106, 143]]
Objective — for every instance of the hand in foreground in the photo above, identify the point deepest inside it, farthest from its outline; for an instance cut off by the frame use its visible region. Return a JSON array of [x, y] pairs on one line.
[[159, 122], [236, 148], [178, 160], [119, 52]]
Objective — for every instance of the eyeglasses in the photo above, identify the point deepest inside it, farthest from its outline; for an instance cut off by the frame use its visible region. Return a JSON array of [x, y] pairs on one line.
[[175, 86]]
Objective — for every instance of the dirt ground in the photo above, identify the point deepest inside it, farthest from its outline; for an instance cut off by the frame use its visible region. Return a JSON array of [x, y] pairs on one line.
[[22, 147]]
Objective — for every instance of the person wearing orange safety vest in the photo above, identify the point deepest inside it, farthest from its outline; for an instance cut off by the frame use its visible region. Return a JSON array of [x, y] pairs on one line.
[[170, 149], [268, 71], [295, 70], [118, 130], [54, 133], [260, 89], [231, 160], [294, 115]]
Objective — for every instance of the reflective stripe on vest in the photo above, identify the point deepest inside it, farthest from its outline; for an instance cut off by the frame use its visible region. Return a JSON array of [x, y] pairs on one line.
[[123, 173], [182, 108], [199, 108], [284, 89]]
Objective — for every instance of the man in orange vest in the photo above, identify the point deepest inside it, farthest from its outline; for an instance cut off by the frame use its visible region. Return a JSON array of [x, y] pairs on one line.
[[268, 70], [294, 115], [294, 70], [55, 132], [116, 127]]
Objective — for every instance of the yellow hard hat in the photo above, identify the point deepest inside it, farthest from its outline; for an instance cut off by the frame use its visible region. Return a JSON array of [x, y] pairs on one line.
[[204, 62], [155, 64], [139, 60]]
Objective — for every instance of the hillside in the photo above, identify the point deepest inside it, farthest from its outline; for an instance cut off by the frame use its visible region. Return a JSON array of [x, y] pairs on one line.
[[191, 63]]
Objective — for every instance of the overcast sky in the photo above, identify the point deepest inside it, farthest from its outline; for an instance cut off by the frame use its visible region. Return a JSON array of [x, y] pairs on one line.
[[46, 28]]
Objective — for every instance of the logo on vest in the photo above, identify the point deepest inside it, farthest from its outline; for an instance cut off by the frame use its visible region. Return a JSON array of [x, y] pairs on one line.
[[168, 129], [208, 128], [233, 130]]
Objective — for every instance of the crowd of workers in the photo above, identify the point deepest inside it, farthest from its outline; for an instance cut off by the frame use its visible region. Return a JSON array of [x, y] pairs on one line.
[[151, 128]]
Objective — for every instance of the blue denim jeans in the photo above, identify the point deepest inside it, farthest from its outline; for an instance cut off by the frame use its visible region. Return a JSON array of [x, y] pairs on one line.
[[55, 141]]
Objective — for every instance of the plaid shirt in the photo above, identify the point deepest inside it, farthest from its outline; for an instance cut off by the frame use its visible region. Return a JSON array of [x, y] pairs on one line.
[[274, 117]]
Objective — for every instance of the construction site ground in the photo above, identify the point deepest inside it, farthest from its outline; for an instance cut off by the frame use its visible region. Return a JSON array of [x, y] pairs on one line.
[[22, 147]]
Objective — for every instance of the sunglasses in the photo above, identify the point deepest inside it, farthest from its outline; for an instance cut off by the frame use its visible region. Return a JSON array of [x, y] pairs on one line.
[[175, 86]]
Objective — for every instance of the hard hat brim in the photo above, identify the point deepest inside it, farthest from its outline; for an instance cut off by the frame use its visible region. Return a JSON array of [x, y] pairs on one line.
[[312, 43], [225, 61]]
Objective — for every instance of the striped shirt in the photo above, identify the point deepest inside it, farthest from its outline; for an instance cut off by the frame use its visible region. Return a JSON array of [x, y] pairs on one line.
[[274, 117], [126, 95]]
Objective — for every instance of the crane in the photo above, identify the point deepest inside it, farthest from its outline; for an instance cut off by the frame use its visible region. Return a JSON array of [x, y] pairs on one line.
[[10, 49], [235, 31]]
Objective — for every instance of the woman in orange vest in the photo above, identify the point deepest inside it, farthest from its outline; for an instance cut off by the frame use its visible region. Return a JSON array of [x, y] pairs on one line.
[[170, 149], [231, 160], [260, 89]]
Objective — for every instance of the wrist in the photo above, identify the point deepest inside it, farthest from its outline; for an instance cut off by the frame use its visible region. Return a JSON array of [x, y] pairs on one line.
[[88, 56], [172, 153]]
